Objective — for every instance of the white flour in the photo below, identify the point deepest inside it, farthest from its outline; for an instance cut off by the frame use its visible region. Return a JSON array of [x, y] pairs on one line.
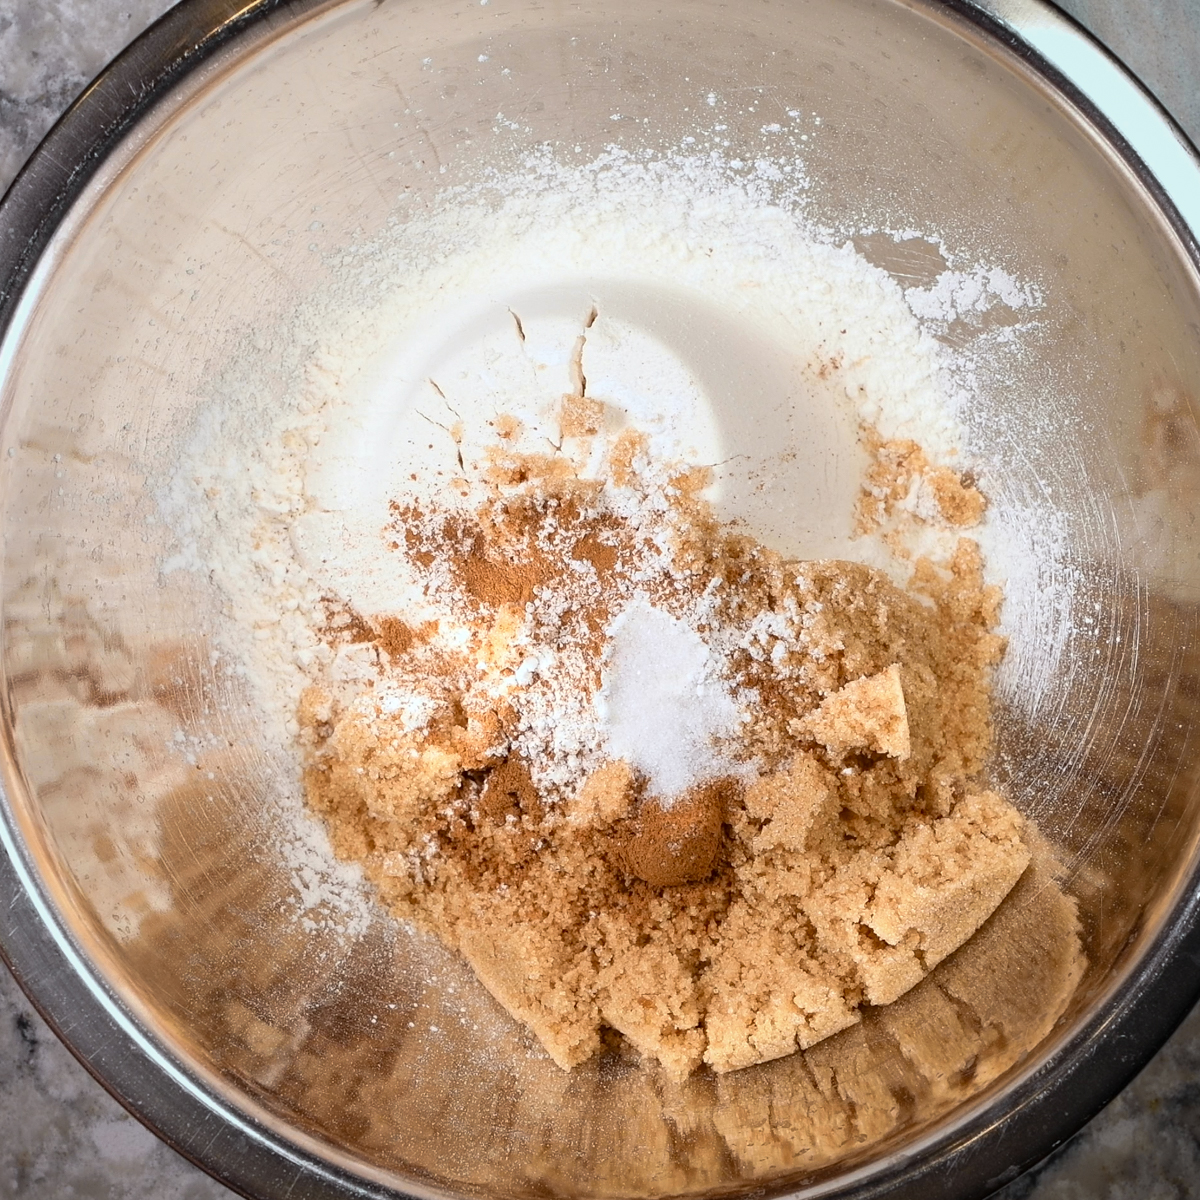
[[958, 294]]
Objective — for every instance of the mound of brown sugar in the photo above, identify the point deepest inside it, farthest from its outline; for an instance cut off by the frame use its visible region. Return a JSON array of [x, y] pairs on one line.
[[849, 845]]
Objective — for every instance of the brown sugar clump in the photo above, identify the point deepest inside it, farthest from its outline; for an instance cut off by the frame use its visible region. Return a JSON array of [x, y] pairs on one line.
[[789, 803], [948, 877], [605, 796], [847, 845], [961, 504], [865, 714], [581, 416], [899, 465]]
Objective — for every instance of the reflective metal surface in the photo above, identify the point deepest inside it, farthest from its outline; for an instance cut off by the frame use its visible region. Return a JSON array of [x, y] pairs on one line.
[[172, 227]]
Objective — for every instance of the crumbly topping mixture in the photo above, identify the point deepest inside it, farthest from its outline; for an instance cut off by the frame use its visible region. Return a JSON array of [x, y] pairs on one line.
[[648, 776]]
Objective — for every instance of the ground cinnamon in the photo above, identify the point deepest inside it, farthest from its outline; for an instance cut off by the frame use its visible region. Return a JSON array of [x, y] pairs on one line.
[[665, 846]]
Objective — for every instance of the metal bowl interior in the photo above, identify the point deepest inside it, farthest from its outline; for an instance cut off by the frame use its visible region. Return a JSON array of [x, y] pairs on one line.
[[141, 813]]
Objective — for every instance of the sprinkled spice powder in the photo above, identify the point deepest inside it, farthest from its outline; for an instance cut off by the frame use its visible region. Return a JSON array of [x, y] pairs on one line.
[[648, 776]]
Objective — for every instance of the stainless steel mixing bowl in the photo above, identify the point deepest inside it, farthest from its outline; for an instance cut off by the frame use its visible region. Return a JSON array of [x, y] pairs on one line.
[[199, 191]]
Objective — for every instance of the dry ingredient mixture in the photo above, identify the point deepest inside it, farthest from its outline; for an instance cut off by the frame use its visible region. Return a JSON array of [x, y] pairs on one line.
[[662, 787], [650, 777]]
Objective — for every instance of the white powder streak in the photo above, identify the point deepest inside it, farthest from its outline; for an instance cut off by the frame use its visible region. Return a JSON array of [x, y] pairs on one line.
[[959, 294]]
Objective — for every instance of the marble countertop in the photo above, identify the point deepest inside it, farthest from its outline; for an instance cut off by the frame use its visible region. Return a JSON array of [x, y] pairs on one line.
[[62, 1136]]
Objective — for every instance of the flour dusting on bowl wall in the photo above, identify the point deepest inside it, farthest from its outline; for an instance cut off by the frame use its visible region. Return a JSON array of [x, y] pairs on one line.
[[555, 638]]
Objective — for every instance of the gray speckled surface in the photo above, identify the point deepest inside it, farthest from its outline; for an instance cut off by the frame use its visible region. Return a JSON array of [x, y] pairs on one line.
[[62, 1137]]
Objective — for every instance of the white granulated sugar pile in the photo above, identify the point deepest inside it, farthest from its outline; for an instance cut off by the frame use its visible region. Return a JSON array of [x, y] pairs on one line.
[[692, 298], [663, 705]]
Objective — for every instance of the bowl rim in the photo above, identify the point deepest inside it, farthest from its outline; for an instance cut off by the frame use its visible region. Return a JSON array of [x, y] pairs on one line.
[[976, 1154]]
